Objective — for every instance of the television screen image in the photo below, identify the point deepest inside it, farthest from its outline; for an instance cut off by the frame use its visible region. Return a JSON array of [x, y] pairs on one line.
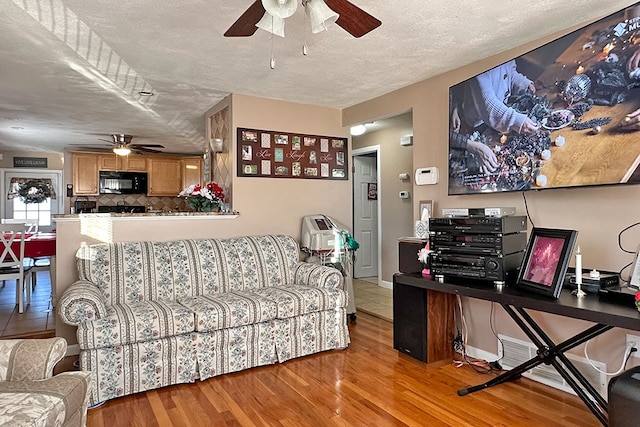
[[562, 115]]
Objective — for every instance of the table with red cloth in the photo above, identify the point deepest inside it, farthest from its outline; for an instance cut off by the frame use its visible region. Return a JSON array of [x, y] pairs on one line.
[[41, 245]]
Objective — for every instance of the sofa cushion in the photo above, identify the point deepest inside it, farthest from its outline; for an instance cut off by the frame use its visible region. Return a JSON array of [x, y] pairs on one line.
[[229, 310], [136, 322], [295, 300], [51, 402]]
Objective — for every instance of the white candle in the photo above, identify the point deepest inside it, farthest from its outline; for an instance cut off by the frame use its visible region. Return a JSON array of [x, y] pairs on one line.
[[578, 267]]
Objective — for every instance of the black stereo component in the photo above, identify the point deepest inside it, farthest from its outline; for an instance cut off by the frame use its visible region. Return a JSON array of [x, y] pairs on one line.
[[499, 269], [605, 279], [484, 244], [479, 225]]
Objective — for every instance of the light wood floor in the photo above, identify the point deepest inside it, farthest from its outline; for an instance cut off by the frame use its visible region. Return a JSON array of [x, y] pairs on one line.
[[368, 384], [373, 299]]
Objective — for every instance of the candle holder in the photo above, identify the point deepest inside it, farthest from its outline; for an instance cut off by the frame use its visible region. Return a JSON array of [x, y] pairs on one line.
[[578, 292]]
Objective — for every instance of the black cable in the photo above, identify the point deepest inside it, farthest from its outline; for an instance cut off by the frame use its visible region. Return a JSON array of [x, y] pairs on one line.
[[625, 250], [526, 208], [633, 350], [620, 238]]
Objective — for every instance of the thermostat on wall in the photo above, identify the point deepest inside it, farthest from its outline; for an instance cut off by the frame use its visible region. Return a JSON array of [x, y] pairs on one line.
[[426, 176]]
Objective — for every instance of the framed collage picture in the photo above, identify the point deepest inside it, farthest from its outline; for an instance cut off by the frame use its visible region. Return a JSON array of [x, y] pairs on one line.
[[274, 154]]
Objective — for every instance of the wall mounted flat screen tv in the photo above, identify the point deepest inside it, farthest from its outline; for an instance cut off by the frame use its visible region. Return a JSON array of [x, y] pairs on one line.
[[559, 116]]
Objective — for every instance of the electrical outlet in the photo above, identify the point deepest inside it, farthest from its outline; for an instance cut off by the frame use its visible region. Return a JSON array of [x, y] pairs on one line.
[[636, 340]]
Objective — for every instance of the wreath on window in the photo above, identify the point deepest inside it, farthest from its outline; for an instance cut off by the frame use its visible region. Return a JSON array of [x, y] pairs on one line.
[[34, 191]]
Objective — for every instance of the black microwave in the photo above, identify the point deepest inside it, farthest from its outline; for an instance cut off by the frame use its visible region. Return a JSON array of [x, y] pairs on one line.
[[123, 182]]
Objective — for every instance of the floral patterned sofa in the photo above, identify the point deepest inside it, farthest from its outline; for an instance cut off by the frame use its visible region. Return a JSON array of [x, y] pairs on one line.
[[29, 393], [151, 314]]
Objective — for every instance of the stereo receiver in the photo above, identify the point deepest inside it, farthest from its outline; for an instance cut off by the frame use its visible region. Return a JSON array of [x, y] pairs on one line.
[[465, 243], [499, 269], [485, 224]]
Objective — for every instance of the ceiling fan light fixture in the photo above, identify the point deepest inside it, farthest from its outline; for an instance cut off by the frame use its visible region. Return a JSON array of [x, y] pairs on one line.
[[271, 24], [320, 15], [122, 150], [280, 8]]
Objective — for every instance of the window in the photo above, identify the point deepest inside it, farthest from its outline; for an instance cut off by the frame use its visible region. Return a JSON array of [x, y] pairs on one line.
[[39, 211]]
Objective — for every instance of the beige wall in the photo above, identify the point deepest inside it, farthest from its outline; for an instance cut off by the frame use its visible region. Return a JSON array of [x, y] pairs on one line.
[[396, 215], [54, 160], [598, 213], [266, 205]]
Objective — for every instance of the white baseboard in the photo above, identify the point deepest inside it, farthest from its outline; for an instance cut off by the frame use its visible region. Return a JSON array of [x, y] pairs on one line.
[[478, 353], [385, 284], [73, 350]]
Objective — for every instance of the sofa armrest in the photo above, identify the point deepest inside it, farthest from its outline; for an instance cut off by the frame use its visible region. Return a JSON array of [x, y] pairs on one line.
[[30, 359], [317, 275], [81, 302]]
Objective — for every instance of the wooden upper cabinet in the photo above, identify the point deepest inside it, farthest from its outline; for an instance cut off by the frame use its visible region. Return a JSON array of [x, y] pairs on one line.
[[191, 171], [112, 162], [85, 174], [136, 163], [109, 162], [165, 178]]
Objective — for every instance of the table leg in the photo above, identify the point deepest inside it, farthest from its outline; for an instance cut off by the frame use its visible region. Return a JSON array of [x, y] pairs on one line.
[[52, 278], [552, 354]]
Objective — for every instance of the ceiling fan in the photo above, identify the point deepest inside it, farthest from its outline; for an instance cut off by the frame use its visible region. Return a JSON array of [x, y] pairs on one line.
[[122, 146], [269, 15]]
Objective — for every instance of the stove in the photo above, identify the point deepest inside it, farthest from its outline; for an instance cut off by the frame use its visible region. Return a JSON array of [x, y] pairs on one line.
[[121, 209]]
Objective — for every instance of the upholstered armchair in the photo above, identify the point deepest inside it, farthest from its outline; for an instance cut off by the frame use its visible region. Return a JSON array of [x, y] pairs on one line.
[[29, 393]]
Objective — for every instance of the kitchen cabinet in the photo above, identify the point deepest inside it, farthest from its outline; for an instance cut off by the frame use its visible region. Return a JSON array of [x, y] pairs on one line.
[[85, 174], [191, 171], [112, 162], [165, 177], [136, 163]]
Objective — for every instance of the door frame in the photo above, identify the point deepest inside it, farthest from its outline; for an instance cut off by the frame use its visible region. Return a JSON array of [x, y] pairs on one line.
[[59, 191], [359, 152]]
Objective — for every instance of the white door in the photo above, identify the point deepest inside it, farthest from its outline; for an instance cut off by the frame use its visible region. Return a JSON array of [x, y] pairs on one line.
[[15, 208], [365, 215]]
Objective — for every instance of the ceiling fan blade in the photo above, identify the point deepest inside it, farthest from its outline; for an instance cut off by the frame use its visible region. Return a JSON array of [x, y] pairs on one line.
[[146, 145], [145, 149], [245, 26], [352, 19]]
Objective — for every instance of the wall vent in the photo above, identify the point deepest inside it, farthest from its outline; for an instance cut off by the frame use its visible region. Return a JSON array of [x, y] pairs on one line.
[[517, 351]]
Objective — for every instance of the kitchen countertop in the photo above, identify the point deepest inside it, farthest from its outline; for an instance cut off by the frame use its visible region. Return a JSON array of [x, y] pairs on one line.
[[161, 214]]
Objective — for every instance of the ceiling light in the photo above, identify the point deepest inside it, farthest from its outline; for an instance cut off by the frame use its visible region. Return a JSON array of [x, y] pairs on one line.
[[358, 130], [122, 150], [319, 14], [276, 11]]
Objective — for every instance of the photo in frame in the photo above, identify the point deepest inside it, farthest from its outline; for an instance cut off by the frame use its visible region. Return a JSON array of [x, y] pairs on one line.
[[545, 261]]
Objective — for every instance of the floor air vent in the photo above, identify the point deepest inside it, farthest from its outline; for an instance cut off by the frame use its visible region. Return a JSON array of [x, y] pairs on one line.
[[517, 351]]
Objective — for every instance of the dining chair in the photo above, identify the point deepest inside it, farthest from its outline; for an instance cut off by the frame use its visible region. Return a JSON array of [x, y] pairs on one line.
[[12, 261], [37, 263]]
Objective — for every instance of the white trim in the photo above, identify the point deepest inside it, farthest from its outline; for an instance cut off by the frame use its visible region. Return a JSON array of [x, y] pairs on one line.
[[385, 284], [141, 216], [60, 194], [478, 353], [359, 152], [73, 350]]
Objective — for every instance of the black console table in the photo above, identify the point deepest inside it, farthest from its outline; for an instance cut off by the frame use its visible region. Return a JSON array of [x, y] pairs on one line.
[[604, 314]]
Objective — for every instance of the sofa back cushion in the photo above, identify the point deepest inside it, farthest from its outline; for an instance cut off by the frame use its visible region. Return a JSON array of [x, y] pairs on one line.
[[127, 272]]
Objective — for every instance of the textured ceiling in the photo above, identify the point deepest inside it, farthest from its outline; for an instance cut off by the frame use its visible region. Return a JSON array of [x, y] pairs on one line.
[[71, 70]]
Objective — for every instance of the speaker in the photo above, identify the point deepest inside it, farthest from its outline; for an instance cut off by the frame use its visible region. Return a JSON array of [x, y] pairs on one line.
[[624, 399], [408, 255], [410, 320]]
